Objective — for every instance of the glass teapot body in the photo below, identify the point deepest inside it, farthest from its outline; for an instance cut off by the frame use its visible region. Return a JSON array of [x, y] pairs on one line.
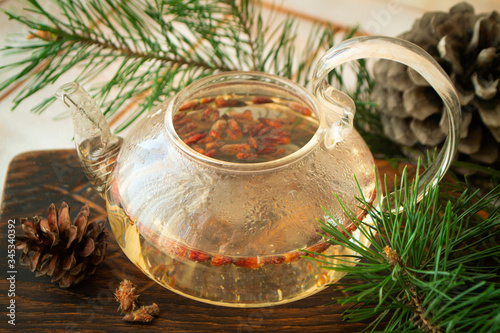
[[218, 194], [235, 232]]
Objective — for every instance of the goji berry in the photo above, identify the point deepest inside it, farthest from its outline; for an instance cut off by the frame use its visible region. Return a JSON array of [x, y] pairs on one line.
[[274, 260], [299, 108], [188, 105], [250, 262], [261, 100], [207, 100], [194, 138], [219, 260], [235, 148], [224, 103], [198, 256]]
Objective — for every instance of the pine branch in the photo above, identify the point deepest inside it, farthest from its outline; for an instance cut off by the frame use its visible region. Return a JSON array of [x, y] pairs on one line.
[[79, 39], [152, 49], [433, 267]]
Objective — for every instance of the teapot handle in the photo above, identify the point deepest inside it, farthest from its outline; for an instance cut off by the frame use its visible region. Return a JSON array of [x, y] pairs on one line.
[[408, 54]]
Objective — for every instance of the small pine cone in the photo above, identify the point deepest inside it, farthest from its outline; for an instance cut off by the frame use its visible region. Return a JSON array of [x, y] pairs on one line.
[[127, 295], [467, 46], [67, 252]]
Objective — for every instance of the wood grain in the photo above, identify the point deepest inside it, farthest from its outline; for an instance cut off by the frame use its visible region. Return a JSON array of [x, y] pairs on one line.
[[36, 179]]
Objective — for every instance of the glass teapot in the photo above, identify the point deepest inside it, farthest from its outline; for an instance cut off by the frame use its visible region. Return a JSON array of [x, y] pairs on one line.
[[217, 194]]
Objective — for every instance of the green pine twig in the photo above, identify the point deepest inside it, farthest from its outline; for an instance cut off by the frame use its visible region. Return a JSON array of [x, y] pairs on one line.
[[432, 267]]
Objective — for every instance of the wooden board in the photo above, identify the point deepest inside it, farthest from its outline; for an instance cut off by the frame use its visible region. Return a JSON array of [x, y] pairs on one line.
[[37, 179]]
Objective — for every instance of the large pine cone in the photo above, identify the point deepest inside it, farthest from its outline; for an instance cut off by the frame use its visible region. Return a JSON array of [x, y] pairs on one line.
[[67, 252], [467, 46]]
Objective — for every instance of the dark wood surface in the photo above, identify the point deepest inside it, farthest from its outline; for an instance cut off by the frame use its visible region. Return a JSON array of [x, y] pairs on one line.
[[37, 179]]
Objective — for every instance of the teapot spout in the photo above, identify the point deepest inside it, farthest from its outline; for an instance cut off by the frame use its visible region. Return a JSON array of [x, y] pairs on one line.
[[96, 147]]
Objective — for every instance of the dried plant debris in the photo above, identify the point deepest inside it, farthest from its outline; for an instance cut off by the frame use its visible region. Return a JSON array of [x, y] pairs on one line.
[[143, 315], [127, 296]]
